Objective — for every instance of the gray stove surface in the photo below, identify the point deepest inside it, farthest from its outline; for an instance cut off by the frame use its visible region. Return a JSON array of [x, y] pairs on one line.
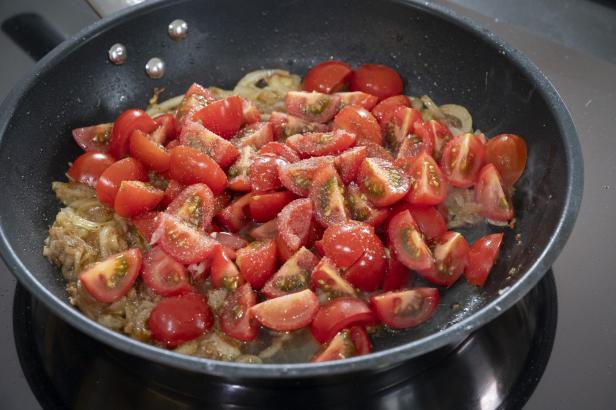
[[574, 43]]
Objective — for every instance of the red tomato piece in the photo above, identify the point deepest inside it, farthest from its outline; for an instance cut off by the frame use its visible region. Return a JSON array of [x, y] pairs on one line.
[[312, 106], [400, 126], [316, 144], [146, 224], [428, 186], [174, 188], [135, 197], [327, 77], [183, 242], [376, 79], [224, 272], [382, 182], [413, 145], [397, 276], [462, 158], [407, 242], [367, 273], [346, 242], [254, 135], [235, 216], [195, 98], [235, 318], [430, 221], [268, 230], [347, 164], [250, 112], [292, 276], [481, 257], [293, 226], [450, 258], [326, 276], [123, 127], [265, 207], [110, 279], [263, 173], [286, 313], [285, 125], [339, 314], [167, 129], [384, 110], [178, 319], [164, 275], [377, 151], [189, 166], [358, 99], [297, 177], [360, 209], [127, 169], [196, 136], [194, 205], [434, 131], [327, 195], [359, 121], [153, 155], [280, 150], [347, 343], [490, 194], [508, 153], [94, 137], [89, 166], [405, 308], [257, 262], [238, 172], [229, 240], [224, 117]]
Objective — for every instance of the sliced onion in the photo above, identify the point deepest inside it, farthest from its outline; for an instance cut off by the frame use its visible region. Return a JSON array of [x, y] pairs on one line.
[[457, 118]]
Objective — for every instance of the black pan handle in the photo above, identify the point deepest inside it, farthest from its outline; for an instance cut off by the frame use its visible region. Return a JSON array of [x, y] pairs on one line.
[[35, 35]]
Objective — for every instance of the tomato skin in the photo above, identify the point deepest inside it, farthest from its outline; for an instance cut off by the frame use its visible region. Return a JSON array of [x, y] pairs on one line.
[[224, 117], [263, 173], [451, 256], [163, 274], [348, 163], [339, 314], [280, 150], [167, 129], [101, 280], [382, 182], [250, 112], [367, 273], [146, 224], [224, 273], [297, 177], [94, 137], [265, 207], [430, 221], [397, 276], [327, 77], [196, 97], [189, 166], [428, 186], [360, 208], [197, 136], [293, 226], [174, 188], [327, 277], [316, 144], [287, 313], [234, 317], [135, 198], [435, 131], [235, 215], [407, 243], [376, 79], [194, 205], [292, 276], [358, 99], [257, 262], [123, 127], [254, 135], [89, 166], [462, 158], [400, 126], [181, 241], [267, 230], [178, 319], [491, 195], [508, 153], [153, 155], [377, 151], [481, 257], [327, 195], [127, 169], [384, 110], [360, 122], [238, 172], [312, 106], [347, 343], [406, 308], [285, 125]]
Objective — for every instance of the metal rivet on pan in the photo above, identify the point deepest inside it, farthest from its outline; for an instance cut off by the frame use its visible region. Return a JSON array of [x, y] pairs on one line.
[[178, 29], [117, 53], [155, 67]]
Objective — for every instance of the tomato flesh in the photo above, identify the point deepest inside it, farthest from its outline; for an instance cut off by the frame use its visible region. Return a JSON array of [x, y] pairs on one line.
[[123, 127], [348, 163], [94, 137], [430, 221], [376, 79], [292, 276], [327, 77], [481, 257], [293, 226], [194, 205], [280, 150], [109, 280], [326, 276], [436, 132], [287, 313], [268, 230], [108, 184], [257, 262], [146, 224], [254, 135], [400, 126], [89, 166], [189, 166], [508, 153], [265, 207], [316, 144], [491, 195], [397, 276], [358, 99], [224, 273], [359, 121], [428, 186], [339, 314], [181, 241], [224, 117], [382, 182], [285, 125], [235, 216], [263, 173], [462, 158], [360, 208], [405, 308], [347, 343], [384, 110], [327, 195], [238, 172], [312, 106], [135, 198], [297, 177], [450, 258], [234, 317], [152, 154], [408, 243], [197, 136], [163, 274]]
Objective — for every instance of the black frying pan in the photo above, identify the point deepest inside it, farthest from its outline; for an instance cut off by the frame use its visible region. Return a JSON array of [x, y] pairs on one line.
[[438, 53]]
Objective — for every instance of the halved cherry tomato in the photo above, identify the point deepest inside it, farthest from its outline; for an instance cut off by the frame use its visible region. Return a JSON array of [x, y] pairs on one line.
[[429, 220], [167, 129], [221, 201], [250, 112], [376, 79], [450, 258], [196, 136], [287, 313], [285, 125], [263, 173], [146, 224], [407, 243], [360, 122], [491, 196], [508, 153], [428, 186], [196, 97], [327, 77], [280, 150], [268, 230], [189, 166], [360, 208], [163, 274], [347, 343], [312, 106], [397, 276], [224, 273], [238, 172], [123, 127], [224, 117], [358, 99], [94, 137], [327, 195], [110, 279], [149, 152], [89, 166], [298, 177], [127, 169], [254, 135], [265, 207], [434, 131], [405, 308], [316, 144], [462, 158], [400, 126], [257, 262], [382, 182], [339, 314], [293, 226], [174, 188], [181, 241], [194, 205], [326, 276], [178, 319], [235, 216], [384, 110], [481, 257], [377, 151], [292, 276], [367, 273], [235, 318], [136, 197], [413, 145], [348, 163]]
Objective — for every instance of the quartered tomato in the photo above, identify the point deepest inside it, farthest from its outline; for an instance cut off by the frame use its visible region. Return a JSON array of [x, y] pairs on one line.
[[359, 121], [376, 79], [481, 257], [312, 106], [280, 150], [136, 197], [435, 131], [430, 221], [167, 129], [382, 182], [257, 262], [327, 195], [224, 117], [293, 226], [163, 274], [357, 99], [297, 177], [347, 343], [194, 205], [235, 216], [462, 158], [413, 145], [178, 319], [235, 318], [287, 313], [265, 207], [348, 163], [189, 166], [146, 224], [339, 314], [153, 155], [196, 97], [263, 173], [384, 110], [508, 153], [254, 135], [490, 194], [292, 276], [428, 186], [408, 243], [450, 258], [181, 241], [196, 136], [377, 151], [360, 208], [123, 127], [127, 169], [89, 166], [174, 188], [268, 230], [110, 279], [327, 77], [401, 126], [250, 112], [238, 172], [316, 144], [327, 277], [405, 308], [397, 276], [285, 125], [224, 273], [229, 240], [94, 137]]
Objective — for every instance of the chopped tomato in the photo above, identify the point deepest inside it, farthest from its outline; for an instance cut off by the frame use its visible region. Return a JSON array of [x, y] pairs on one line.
[[89, 166], [348, 163], [167, 129], [326, 276], [287, 313], [178, 319], [382, 182], [224, 273], [376, 79], [268, 230], [146, 224], [136, 197], [238, 172], [196, 136], [108, 184], [312, 106], [359, 121], [257, 262], [407, 242], [400, 126], [384, 110], [250, 112], [235, 318], [194, 205], [264, 207], [224, 117], [254, 135], [94, 137], [367, 273], [235, 216], [195, 98], [508, 153], [327, 195], [430, 221], [481, 257], [229, 240], [360, 209], [292, 276], [357, 99], [434, 131], [263, 173], [450, 258], [347, 343], [285, 125], [377, 151], [490, 194], [428, 187], [405, 308], [339, 314], [316, 144], [174, 188], [123, 127], [397, 276], [181, 241], [280, 150], [293, 226], [110, 279], [221, 201], [327, 77], [189, 166], [297, 177], [149, 152], [164, 275], [413, 145], [462, 158]]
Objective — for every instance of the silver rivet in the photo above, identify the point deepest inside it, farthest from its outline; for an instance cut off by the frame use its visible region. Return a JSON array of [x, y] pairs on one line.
[[117, 53], [178, 29], [155, 68]]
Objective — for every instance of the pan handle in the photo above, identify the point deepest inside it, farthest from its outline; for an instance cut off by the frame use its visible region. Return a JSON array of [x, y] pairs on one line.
[[105, 7]]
